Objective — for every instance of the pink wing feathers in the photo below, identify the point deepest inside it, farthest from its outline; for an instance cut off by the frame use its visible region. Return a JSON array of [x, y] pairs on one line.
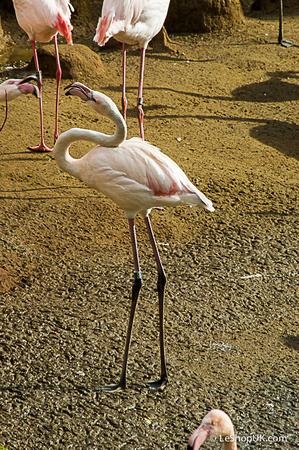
[[62, 23], [63, 27], [117, 16], [42, 19]]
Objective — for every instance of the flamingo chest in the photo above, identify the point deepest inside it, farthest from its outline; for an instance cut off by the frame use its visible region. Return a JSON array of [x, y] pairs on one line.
[[37, 19]]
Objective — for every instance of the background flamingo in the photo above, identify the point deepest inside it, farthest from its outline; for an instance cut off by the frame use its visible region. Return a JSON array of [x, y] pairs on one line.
[[214, 425], [131, 22], [137, 177], [42, 20], [13, 88]]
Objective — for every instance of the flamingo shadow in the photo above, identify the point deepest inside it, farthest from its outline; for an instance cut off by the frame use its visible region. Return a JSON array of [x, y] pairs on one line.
[[282, 136], [292, 342], [272, 90]]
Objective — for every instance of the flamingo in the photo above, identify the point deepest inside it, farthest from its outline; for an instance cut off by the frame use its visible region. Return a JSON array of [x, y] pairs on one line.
[[131, 22], [13, 88], [42, 20], [137, 177], [216, 424]]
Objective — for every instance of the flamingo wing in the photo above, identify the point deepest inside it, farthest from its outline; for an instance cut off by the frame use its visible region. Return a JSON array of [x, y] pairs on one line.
[[137, 176], [41, 20], [117, 17]]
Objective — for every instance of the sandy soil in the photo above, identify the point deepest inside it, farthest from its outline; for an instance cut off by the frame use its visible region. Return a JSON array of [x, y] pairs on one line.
[[225, 107]]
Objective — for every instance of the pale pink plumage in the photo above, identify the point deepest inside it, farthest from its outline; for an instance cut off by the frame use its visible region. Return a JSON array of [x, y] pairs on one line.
[[42, 20], [216, 424], [131, 22], [137, 177], [134, 174]]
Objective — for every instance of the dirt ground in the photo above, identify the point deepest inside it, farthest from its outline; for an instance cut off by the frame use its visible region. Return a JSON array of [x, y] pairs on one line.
[[225, 108]]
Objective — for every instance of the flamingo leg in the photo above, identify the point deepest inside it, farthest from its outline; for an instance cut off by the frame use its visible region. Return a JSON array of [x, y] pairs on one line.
[[135, 292], [282, 41], [160, 384], [140, 112], [58, 79], [124, 98], [6, 111], [42, 146]]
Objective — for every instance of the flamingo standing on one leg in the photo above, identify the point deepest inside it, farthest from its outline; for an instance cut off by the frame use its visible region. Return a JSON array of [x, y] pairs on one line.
[[137, 177], [13, 88], [42, 20], [132, 22], [216, 424]]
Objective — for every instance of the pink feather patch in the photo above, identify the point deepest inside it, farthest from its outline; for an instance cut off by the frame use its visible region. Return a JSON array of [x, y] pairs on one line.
[[64, 28]]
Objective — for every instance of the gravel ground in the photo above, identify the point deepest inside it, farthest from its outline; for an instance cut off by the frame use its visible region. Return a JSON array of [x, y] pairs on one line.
[[225, 107]]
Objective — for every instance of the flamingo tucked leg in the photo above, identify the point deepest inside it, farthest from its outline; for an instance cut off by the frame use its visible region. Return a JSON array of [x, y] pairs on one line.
[[42, 146], [160, 384], [135, 292]]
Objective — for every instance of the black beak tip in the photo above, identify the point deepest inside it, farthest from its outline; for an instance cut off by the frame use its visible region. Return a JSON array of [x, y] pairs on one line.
[[68, 86], [31, 78], [189, 447]]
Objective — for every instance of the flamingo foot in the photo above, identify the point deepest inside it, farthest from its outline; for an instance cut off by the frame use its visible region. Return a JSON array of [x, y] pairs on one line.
[[40, 148], [115, 387], [286, 43], [159, 384]]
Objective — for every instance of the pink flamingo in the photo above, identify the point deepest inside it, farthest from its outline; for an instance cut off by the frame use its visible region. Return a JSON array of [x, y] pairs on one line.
[[216, 424], [137, 177], [132, 22], [42, 20], [13, 88]]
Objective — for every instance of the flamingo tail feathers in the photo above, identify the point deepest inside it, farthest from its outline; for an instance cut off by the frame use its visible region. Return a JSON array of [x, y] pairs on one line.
[[64, 28], [102, 33]]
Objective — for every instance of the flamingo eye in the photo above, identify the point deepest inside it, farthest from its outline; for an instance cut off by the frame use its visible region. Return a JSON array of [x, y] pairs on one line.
[[213, 423]]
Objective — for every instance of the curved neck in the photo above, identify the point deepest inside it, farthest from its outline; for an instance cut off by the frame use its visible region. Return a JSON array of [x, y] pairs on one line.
[[230, 445], [64, 141]]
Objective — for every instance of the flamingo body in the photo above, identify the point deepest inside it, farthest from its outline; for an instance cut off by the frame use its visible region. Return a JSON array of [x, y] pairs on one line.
[[137, 177], [43, 19], [215, 424], [131, 21]]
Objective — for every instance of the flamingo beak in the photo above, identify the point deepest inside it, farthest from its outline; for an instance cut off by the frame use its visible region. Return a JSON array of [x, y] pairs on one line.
[[31, 78], [80, 90], [199, 436], [27, 88]]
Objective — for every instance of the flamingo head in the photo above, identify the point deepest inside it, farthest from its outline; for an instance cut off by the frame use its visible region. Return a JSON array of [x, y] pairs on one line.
[[98, 101], [215, 424], [25, 87], [13, 88]]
